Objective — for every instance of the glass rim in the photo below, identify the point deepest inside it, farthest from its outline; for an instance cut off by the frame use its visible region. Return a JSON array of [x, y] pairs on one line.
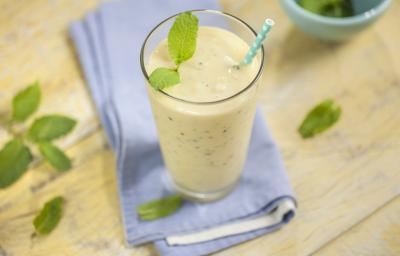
[[253, 81]]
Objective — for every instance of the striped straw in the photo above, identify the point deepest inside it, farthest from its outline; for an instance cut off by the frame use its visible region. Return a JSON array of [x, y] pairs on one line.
[[268, 23]]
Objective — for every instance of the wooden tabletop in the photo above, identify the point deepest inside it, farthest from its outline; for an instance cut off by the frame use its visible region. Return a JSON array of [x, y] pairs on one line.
[[347, 180]]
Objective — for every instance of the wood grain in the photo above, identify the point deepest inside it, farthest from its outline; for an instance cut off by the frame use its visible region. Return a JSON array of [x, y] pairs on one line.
[[353, 162], [340, 177], [91, 222], [35, 45], [379, 234]]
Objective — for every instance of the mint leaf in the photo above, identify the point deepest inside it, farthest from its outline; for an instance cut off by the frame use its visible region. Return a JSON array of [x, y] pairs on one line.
[[330, 8], [159, 208], [163, 77], [48, 128], [49, 216], [55, 156], [14, 160], [320, 118], [314, 6], [181, 46], [26, 102], [182, 37]]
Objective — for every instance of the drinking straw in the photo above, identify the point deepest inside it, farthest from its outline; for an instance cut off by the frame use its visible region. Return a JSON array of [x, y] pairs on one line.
[[268, 23]]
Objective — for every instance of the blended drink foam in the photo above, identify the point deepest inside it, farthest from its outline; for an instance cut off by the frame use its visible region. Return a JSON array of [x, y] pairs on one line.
[[204, 145]]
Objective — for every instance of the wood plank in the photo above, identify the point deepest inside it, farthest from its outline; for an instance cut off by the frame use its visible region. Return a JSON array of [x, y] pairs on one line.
[[356, 160], [91, 221], [379, 234], [34, 45], [36, 179]]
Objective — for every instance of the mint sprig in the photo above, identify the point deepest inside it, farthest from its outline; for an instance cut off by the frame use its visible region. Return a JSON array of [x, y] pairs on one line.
[[320, 118], [49, 217], [14, 160], [181, 47], [16, 156], [182, 37], [55, 156], [26, 102], [48, 128], [164, 77], [159, 208]]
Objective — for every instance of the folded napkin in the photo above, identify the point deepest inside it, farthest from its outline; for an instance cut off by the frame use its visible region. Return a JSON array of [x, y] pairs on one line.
[[108, 43]]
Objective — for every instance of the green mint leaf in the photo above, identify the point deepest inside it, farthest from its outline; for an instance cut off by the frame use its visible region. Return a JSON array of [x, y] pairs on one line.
[[182, 37], [48, 128], [26, 102], [14, 160], [49, 216], [181, 46], [159, 208], [320, 118], [330, 8], [164, 77], [315, 6], [55, 156]]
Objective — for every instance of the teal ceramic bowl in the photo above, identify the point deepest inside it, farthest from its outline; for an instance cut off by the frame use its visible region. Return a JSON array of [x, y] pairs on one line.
[[336, 29]]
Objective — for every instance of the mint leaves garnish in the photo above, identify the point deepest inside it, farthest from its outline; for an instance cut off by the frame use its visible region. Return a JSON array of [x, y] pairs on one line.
[[26, 102], [164, 77], [49, 216], [14, 160], [16, 156], [330, 8], [48, 128], [320, 118], [181, 47], [182, 37], [159, 208]]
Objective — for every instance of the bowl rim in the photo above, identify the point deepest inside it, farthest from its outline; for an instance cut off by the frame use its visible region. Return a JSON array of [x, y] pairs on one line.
[[357, 19]]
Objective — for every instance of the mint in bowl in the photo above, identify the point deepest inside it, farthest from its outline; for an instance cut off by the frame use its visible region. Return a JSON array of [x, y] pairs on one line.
[[334, 20]]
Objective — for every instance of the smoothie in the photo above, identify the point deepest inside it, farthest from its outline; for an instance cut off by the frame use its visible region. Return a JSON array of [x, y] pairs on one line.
[[204, 123]]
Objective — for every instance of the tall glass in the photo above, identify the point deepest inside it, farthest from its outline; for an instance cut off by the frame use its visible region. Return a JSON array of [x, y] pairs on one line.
[[204, 144]]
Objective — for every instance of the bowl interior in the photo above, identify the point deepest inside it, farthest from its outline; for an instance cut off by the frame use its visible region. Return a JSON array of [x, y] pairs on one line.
[[363, 6]]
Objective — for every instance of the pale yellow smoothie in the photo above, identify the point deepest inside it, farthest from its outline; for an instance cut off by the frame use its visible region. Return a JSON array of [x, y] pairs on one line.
[[204, 128]]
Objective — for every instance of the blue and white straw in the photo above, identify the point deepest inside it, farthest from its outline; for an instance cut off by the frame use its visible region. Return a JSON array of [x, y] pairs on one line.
[[258, 42]]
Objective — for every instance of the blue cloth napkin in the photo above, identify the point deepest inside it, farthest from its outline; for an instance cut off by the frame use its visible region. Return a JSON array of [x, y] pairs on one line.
[[108, 43]]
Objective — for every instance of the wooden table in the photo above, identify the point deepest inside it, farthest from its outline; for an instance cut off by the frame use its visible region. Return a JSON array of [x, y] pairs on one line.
[[347, 180]]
